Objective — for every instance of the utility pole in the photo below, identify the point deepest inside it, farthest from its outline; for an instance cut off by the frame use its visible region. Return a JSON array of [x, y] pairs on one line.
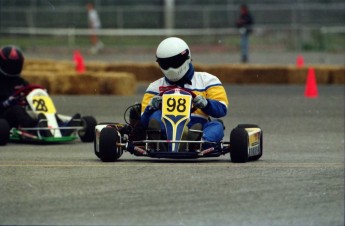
[[169, 16]]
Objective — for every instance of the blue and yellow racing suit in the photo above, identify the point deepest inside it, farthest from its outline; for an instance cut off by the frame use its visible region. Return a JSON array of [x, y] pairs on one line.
[[201, 83]]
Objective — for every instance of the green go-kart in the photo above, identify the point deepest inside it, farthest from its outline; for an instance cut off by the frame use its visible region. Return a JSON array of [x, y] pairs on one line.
[[51, 127]]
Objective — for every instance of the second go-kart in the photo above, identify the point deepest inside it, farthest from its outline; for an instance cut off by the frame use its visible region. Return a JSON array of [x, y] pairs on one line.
[[112, 139], [52, 127]]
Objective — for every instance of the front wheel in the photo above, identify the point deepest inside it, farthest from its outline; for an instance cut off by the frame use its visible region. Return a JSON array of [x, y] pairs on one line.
[[108, 149], [87, 134], [4, 132]]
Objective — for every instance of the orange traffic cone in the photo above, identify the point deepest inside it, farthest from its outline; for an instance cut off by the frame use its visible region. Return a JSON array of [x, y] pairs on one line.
[[299, 61], [79, 62], [311, 86]]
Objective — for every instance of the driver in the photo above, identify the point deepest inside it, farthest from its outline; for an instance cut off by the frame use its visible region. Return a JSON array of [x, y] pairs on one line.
[[11, 65], [174, 59]]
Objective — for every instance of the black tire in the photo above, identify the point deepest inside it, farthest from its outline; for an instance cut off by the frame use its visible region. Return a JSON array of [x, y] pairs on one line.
[[239, 145], [94, 140], [244, 126], [108, 151], [87, 134], [4, 132]]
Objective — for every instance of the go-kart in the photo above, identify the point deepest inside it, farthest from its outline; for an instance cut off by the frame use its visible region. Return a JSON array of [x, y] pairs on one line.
[[52, 127], [112, 139]]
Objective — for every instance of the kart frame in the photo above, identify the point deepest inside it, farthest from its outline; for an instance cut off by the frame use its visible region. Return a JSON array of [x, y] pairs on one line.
[[110, 142]]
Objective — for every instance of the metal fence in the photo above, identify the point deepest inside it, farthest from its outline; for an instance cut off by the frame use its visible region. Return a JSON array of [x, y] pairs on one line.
[[300, 18], [44, 14]]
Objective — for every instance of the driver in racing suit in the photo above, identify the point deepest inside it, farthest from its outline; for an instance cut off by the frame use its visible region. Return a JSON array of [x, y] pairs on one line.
[[174, 59], [11, 65]]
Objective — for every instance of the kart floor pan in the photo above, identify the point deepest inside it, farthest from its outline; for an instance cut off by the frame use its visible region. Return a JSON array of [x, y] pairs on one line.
[[181, 155]]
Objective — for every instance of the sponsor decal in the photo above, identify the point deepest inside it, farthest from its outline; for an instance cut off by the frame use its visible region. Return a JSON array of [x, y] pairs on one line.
[[253, 151], [254, 147]]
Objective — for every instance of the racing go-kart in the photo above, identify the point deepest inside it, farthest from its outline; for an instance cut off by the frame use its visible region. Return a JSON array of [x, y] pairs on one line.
[[52, 127], [112, 139]]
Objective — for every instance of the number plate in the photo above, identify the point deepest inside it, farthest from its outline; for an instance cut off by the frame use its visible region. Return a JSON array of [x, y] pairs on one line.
[[176, 105], [175, 115], [43, 104]]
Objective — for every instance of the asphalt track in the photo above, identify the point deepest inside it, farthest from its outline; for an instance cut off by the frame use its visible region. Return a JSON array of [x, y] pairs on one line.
[[298, 181]]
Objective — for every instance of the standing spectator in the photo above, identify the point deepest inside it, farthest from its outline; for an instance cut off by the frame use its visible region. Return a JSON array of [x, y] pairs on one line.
[[95, 25], [245, 23]]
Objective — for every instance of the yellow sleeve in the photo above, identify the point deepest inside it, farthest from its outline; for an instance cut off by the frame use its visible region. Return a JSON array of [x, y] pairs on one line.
[[146, 100], [217, 93]]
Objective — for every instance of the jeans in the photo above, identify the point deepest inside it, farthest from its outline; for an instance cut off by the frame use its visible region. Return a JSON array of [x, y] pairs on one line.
[[244, 47]]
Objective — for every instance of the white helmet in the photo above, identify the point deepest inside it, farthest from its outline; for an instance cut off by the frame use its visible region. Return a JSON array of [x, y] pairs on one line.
[[173, 56]]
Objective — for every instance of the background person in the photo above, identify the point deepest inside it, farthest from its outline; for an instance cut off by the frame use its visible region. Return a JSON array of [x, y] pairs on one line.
[[245, 23], [95, 24]]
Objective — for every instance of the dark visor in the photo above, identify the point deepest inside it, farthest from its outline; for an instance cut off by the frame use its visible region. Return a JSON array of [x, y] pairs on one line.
[[174, 61]]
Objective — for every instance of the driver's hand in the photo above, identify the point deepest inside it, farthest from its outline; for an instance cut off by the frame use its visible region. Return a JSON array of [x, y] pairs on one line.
[[200, 101], [156, 102], [10, 101]]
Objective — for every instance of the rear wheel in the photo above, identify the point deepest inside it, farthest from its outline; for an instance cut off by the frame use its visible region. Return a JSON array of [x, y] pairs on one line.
[[4, 132], [243, 126], [257, 157], [87, 134], [108, 150], [239, 142], [239, 145]]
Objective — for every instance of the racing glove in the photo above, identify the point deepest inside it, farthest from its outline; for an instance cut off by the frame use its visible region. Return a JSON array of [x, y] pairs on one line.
[[156, 102], [10, 101], [200, 101]]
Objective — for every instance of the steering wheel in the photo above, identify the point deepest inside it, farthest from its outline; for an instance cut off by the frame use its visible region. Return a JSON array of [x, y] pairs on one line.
[[24, 91], [164, 89]]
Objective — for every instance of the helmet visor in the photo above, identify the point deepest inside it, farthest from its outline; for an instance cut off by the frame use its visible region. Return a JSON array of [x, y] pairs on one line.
[[174, 61]]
